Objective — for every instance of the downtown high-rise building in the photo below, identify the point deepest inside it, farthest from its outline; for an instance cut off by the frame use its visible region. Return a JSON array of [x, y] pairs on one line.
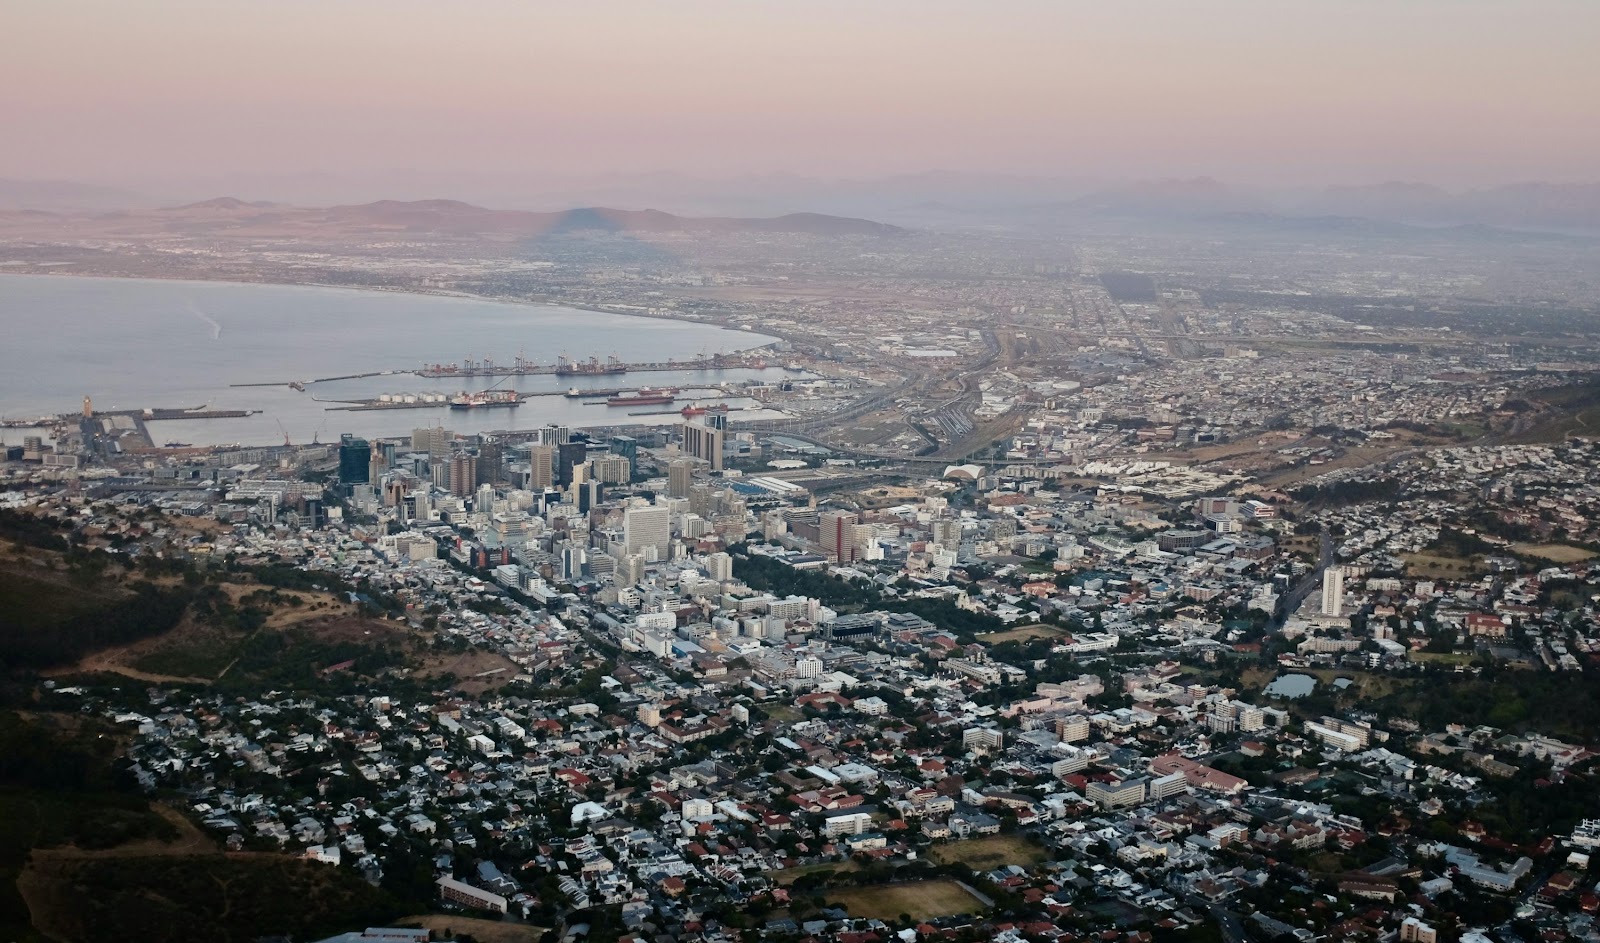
[[541, 467], [463, 467], [570, 455], [1333, 592], [435, 440], [647, 529], [625, 446], [355, 460], [491, 463], [611, 469], [836, 530], [704, 439], [680, 476]]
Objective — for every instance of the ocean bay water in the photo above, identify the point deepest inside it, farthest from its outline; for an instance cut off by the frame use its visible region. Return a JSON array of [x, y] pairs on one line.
[[138, 343]]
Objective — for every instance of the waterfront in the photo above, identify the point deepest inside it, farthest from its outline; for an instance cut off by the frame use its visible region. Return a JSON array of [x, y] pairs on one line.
[[137, 343]]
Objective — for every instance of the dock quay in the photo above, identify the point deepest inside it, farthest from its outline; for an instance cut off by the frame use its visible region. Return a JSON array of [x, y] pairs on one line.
[[488, 368], [152, 414], [522, 368]]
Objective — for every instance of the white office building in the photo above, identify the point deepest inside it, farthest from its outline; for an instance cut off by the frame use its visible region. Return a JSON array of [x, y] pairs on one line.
[[1333, 592], [644, 527]]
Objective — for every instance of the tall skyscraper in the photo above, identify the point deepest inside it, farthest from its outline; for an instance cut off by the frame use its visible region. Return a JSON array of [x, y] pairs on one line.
[[568, 454], [647, 527], [382, 458], [702, 500], [435, 440], [1333, 592], [864, 542], [703, 439], [542, 467], [463, 473], [837, 530], [573, 558], [630, 570], [680, 475], [611, 469], [491, 463], [586, 494], [355, 460], [720, 567], [626, 446]]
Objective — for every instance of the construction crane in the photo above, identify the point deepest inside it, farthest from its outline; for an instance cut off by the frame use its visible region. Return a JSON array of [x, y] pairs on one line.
[[282, 430]]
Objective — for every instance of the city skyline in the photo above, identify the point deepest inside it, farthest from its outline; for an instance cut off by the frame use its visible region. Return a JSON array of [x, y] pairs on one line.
[[714, 472]]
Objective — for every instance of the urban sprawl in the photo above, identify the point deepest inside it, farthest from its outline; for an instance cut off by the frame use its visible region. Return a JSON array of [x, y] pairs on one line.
[[1109, 614]]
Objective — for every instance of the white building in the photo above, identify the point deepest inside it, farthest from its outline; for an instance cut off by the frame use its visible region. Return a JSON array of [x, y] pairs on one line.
[[647, 528], [1333, 592], [850, 823]]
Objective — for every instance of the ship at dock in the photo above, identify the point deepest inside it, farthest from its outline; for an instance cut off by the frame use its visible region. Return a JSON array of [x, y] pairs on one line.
[[567, 367], [486, 399], [695, 410], [645, 397]]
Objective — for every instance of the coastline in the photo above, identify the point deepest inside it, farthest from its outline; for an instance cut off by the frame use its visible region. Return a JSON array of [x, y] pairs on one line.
[[419, 292], [513, 310]]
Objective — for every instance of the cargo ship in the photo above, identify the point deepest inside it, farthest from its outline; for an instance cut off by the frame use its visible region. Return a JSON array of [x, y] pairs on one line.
[[592, 367], [689, 412], [644, 398], [486, 399]]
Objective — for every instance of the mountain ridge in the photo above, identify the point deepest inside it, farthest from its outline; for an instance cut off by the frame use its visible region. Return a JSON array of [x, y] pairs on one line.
[[457, 217]]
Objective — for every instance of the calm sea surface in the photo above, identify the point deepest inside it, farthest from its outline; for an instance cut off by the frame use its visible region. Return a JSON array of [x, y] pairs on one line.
[[136, 343]]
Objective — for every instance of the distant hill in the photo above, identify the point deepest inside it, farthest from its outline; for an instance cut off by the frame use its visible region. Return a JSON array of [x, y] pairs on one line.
[[465, 219], [742, 205], [62, 195], [222, 204], [1381, 209], [448, 217], [457, 217], [1561, 206], [1199, 196]]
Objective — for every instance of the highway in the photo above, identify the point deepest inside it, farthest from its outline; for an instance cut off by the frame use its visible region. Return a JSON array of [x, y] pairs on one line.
[[1309, 584]]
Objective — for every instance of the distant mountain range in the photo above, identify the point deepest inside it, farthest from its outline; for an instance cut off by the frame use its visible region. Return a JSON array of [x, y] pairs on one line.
[[448, 217], [453, 216], [749, 203], [1543, 206], [58, 195]]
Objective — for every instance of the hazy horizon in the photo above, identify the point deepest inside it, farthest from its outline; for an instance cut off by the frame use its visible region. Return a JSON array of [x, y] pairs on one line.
[[148, 96]]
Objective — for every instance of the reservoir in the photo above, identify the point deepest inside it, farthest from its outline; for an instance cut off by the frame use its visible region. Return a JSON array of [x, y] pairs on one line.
[[138, 343], [1292, 686]]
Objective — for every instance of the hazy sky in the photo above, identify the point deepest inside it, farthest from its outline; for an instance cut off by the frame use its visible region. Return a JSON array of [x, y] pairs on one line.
[[1273, 91]]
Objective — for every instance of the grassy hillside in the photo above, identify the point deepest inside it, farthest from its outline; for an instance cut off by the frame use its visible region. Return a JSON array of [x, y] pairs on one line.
[[207, 899], [57, 787], [1562, 412], [46, 621], [85, 858]]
